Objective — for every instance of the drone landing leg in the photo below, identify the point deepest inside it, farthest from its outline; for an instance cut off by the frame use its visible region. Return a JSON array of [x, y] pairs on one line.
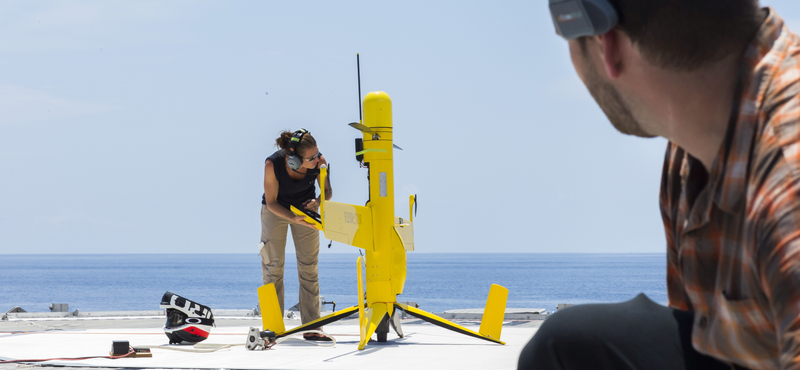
[[438, 321], [375, 315], [322, 321], [395, 321]]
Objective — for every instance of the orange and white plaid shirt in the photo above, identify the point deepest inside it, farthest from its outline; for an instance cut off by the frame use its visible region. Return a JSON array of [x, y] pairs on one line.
[[733, 233]]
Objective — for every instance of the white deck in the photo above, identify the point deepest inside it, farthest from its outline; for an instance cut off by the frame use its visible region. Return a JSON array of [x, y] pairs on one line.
[[425, 346]]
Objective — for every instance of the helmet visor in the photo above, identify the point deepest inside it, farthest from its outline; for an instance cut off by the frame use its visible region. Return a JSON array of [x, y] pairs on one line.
[[175, 319]]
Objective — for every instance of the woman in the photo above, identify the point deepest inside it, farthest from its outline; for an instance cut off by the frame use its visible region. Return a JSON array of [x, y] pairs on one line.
[[289, 176]]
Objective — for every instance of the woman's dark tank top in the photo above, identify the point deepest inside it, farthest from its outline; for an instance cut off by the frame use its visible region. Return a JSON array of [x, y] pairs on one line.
[[291, 192]]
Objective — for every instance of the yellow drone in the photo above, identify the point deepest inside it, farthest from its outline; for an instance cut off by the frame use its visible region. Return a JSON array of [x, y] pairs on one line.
[[384, 237]]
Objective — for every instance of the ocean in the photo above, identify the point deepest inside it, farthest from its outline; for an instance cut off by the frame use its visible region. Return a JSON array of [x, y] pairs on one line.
[[437, 282]]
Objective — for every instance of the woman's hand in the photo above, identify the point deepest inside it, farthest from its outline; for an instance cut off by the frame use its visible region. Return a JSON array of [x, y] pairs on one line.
[[302, 221], [312, 204]]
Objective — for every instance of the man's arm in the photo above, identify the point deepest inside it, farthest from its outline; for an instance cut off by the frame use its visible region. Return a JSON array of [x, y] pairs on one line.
[[778, 262], [675, 289]]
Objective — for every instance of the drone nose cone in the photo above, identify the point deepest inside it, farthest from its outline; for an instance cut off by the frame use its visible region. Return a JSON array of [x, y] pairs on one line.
[[378, 110]]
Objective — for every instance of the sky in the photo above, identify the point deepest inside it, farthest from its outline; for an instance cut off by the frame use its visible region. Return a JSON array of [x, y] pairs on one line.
[[142, 126]]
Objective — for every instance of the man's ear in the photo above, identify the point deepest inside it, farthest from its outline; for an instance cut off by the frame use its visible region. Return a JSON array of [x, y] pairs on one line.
[[611, 53]]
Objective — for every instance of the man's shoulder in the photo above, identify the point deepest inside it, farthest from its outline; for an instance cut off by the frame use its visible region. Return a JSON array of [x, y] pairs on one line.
[[775, 165], [779, 128], [783, 87]]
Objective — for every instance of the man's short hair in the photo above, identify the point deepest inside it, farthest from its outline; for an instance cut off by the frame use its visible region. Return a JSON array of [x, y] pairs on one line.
[[688, 34]]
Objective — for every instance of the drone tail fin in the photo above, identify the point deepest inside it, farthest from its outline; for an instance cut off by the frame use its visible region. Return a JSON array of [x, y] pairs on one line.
[[492, 321], [271, 315]]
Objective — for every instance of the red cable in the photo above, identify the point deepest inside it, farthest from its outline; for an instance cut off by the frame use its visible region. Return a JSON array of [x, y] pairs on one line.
[[70, 358]]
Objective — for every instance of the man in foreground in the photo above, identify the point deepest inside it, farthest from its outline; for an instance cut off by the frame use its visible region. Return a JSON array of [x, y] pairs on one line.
[[720, 80]]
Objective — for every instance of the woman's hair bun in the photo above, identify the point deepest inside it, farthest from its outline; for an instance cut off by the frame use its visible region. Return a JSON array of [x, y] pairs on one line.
[[283, 140]]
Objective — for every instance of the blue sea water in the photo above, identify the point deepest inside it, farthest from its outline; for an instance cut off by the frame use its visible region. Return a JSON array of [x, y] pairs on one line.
[[438, 282]]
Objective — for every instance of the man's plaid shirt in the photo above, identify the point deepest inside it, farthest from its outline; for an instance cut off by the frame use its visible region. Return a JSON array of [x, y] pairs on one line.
[[733, 232]]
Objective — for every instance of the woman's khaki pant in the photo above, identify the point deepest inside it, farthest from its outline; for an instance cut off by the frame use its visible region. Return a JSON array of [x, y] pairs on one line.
[[273, 255]]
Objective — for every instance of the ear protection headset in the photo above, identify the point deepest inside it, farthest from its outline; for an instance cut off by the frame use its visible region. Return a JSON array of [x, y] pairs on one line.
[[576, 18], [293, 159]]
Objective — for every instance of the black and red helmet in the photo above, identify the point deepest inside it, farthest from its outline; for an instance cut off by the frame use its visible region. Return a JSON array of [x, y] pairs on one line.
[[188, 322]]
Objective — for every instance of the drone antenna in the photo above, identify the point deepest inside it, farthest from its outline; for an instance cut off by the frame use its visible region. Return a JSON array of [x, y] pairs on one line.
[[358, 68]]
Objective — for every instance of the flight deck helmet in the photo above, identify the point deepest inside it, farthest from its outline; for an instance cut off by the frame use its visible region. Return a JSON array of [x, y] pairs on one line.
[[188, 322]]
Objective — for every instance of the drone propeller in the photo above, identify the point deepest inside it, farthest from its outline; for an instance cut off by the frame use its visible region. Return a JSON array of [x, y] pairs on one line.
[[368, 130], [361, 127]]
